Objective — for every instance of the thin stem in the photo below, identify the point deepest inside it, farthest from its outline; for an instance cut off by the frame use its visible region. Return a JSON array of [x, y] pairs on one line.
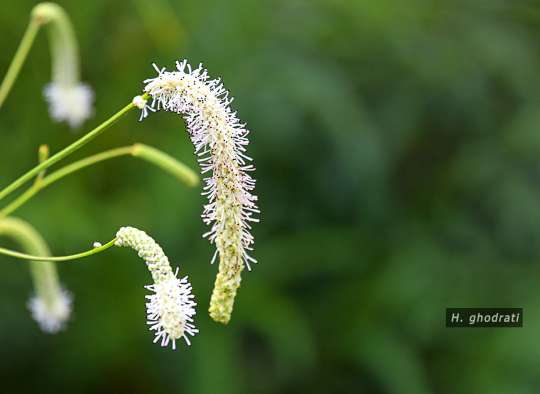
[[19, 58], [145, 152], [86, 162], [27, 195], [25, 256], [65, 152], [43, 154], [57, 175], [44, 273]]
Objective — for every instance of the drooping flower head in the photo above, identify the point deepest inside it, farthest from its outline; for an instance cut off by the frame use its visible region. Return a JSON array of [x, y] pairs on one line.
[[220, 144], [51, 312], [69, 99], [170, 309], [51, 304]]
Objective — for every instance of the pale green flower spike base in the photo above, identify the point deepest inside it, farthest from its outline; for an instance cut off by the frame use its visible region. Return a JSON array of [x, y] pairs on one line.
[[225, 288]]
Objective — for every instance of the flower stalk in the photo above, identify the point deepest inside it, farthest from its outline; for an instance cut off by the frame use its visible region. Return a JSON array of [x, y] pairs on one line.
[[65, 152], [18, 59], [71, 257], [152, 155]]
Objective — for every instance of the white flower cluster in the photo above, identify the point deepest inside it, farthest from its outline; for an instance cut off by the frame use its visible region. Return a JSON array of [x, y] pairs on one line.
[[70, 103], [51, 314], [171, 308], [69, 100], [220, 143]]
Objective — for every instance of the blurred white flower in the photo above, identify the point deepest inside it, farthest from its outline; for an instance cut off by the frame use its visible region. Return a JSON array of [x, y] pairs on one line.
[[171, 308], [50, 305], [69, 100], [52, 312], [69, 103], [220, 143]]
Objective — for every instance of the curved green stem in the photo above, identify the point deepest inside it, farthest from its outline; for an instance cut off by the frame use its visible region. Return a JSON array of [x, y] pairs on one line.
[[44, 274], [55, 176], [43, 154], [25, 256], [145, 152], [86, 162], [19, 58], [65, 152]]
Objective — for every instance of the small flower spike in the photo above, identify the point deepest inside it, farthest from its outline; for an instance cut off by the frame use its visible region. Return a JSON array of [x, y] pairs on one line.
[[220, 144], [50, 305], [170, 309], [51, 315], [70, 103], [69, 99]]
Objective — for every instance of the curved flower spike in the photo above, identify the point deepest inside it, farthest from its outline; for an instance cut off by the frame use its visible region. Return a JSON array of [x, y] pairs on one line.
[[220, 143], [51, 304], [69, 100], [171, 308]]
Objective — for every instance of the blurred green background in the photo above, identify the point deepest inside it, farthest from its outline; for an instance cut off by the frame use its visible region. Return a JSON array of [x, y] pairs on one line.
[[397, 146]]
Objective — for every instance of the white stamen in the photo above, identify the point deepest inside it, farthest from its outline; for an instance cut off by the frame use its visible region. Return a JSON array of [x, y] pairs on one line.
[[170, 309]]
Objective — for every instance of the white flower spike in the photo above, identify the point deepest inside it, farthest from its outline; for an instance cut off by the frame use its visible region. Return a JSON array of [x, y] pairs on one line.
[[70, 103], [69, 99], [171, 308], [220, 143], [51, 314]]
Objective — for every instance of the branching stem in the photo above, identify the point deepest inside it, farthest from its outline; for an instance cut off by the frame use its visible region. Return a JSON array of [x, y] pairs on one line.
[[65, 152], [145, 152]]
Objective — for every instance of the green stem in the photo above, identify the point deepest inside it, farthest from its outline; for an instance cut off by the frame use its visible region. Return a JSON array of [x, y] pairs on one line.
[[86, 162], [65, 152], [25, 256], [18, 60], [145, 152], [44, 273], [55, 176], [43, 154], [27, 195]]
